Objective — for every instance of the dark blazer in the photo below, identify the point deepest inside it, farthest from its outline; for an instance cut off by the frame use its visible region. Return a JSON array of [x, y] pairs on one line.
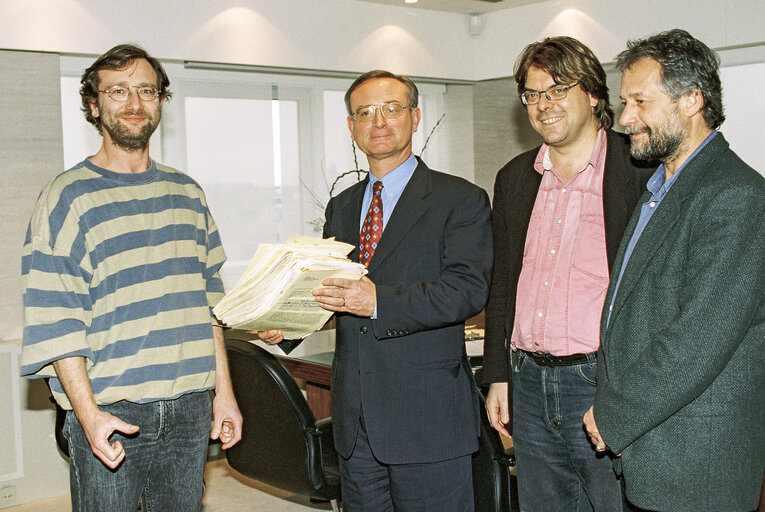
[[681, 369], [515, 191], [407, 369]]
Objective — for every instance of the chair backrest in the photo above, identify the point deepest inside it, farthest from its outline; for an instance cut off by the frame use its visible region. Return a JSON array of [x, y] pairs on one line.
[[61, 441], [279, 444], [491, 478]]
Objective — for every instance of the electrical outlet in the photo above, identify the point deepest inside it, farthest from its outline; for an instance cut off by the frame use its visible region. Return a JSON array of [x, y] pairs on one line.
[[7, 495]]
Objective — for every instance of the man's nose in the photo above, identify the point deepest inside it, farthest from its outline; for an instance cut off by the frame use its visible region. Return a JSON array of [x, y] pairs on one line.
[[379, 120], [627, 117], [133, 101], [544, 102]]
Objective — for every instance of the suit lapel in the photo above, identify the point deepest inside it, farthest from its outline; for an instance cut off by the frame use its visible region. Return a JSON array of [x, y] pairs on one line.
[[654, 234], [352, 203], [410, 207], [662, 222]]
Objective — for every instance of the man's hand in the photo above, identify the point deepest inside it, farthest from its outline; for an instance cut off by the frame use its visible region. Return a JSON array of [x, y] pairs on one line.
[[271, 337], [497, 407], [348, 296], [99, 427], [97, 424], [592, 430], [227, 420]]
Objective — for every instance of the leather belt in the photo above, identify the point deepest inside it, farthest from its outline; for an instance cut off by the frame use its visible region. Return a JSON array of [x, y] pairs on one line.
[[546, 359]]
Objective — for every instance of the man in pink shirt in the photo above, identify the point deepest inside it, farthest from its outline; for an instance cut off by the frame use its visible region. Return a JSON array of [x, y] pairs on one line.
[[559, 213]]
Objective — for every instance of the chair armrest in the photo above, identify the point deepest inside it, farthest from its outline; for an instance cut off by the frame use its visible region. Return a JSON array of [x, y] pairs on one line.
[[506, 459], [321, 427]]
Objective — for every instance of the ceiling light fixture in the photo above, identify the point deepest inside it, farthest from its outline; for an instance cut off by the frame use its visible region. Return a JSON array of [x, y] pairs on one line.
[[410, 1]]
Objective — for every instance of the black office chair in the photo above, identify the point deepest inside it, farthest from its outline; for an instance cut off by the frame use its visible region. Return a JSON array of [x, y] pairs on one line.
[[282, 443], [494, 489], [61, 440]]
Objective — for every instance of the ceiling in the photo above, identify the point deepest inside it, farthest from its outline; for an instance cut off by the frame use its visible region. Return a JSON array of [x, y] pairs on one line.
[[459, 6]]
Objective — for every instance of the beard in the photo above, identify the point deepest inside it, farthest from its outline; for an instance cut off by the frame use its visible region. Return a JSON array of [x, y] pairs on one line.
[[121, 134], [664, 141]]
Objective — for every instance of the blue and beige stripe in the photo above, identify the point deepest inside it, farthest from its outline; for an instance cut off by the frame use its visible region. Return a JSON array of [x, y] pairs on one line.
[[125, 276]]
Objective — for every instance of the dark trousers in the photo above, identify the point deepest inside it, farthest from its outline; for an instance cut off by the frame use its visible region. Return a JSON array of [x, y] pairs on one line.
[[368, 485]]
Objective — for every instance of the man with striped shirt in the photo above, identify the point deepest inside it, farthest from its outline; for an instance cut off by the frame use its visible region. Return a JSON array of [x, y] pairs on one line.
[[121, 271]]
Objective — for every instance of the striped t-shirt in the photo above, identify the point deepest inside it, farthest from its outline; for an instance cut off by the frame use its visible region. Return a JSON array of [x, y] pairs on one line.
[[123, 270]]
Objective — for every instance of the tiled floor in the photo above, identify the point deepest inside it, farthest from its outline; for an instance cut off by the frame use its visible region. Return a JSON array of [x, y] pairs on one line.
[[227, 491]]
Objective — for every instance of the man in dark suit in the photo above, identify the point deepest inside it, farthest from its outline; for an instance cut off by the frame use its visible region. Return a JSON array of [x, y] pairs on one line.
[[404, 408], [682, 359], [559, 214]]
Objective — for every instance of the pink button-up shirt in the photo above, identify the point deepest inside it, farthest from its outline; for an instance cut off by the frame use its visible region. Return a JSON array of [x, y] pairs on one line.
[[563, 282]]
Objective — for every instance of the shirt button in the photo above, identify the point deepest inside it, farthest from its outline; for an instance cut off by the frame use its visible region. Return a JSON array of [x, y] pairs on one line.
[[558, 221], [539, 314], [545, 283], [552, 251], [652, 204], [610, 308], [564, 189]]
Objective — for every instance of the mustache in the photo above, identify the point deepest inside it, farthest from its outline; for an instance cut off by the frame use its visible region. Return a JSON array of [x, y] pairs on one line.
[[137, 112], [634, 130]]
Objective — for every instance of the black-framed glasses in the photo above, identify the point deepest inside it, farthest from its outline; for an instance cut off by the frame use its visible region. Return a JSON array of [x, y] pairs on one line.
[[122, 93], [553, 93], [390, 110]]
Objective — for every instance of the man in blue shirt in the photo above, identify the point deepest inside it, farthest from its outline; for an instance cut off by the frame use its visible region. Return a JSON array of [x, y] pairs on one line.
[[681, 367], [404, 406]]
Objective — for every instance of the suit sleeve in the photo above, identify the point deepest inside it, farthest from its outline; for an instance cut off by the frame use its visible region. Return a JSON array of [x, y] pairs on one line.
[[495, 367], [720, 288], [461, 289]]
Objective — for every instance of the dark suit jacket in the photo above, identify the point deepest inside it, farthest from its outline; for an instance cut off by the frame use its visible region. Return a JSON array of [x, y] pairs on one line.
[[681, 369], [515, 191], [407, 369]]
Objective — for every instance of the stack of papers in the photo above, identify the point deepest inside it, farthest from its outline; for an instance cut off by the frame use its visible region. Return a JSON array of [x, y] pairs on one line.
[[275, 290]]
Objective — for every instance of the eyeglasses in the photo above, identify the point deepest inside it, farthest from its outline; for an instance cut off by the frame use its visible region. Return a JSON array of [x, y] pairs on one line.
[[390, 110], [554, 93], [121, 93]]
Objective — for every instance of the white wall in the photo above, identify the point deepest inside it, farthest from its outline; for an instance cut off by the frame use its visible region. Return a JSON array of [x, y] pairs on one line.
[[606, 25], [321, 34], [350, 35]]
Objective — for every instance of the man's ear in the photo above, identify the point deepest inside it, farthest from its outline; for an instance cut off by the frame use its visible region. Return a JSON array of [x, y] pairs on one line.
[[94, 109], [692, 102], [416, 116]]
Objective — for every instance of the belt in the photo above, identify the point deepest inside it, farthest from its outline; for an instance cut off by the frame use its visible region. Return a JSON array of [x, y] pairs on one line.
[[546, 359]]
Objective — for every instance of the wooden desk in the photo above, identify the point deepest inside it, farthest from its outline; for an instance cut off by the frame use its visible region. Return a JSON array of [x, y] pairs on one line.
[[316, 371]]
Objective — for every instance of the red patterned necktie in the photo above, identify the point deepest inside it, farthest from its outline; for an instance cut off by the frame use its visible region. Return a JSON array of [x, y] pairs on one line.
[[373, 226]]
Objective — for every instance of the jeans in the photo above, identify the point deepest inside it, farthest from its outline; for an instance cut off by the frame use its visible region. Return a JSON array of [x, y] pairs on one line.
[[164, 462], [558, 468]]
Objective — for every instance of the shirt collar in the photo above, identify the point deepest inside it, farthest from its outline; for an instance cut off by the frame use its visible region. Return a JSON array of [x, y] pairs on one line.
[[658, 187], [543, 162], [395, 181]]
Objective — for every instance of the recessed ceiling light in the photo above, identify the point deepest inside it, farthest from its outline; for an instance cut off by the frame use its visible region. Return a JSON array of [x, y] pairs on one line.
[[410, 1]]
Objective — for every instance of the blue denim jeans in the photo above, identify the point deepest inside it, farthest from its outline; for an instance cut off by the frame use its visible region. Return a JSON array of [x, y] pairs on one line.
[[164, 462], [558, 468]]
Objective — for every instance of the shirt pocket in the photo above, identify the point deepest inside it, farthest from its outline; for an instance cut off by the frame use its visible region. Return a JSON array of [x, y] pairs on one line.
[[590, 257]]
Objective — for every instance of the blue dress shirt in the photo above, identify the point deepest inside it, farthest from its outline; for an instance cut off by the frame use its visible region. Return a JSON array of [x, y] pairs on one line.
[[658, 189]]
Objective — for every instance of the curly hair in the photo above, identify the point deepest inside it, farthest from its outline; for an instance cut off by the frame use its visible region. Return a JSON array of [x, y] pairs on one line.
[[687, 64]]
